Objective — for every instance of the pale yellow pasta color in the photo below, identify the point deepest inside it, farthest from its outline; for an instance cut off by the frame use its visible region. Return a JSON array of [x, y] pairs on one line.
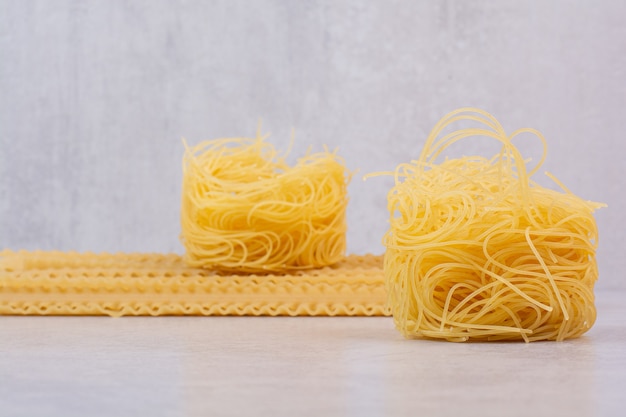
[[66, 283], [478, 251], [245, 210]]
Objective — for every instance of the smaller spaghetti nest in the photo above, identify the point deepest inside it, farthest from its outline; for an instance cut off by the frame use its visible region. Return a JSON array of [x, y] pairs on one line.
[[245, 209], [478, 251]]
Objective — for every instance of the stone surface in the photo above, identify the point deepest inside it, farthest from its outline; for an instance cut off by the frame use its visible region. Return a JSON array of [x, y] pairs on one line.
[[304, 366], [96, 96]]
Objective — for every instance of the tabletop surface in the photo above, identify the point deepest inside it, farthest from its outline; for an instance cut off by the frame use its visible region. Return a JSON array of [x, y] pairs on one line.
[[300, 366]]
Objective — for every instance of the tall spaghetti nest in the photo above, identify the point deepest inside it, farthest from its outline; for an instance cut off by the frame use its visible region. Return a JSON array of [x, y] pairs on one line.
[[477, 250], [245, 209]]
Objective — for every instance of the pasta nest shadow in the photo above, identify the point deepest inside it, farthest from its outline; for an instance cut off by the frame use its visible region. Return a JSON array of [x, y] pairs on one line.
[[244, 209]]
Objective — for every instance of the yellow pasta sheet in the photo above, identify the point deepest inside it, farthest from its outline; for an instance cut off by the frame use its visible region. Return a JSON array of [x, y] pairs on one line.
[[67, 283]]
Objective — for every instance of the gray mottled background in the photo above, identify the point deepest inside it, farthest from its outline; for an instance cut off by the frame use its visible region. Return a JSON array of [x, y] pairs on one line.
[[95, 97]]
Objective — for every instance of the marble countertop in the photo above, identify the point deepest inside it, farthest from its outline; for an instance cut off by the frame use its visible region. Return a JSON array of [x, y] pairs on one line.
[[300, 366]]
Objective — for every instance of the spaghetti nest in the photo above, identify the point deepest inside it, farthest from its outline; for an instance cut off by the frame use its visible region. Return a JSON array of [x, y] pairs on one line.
[[478, 251], [244, 209]]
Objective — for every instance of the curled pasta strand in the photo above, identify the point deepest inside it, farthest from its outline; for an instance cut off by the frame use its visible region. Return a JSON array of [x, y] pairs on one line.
[[245, 209], [476, 250]]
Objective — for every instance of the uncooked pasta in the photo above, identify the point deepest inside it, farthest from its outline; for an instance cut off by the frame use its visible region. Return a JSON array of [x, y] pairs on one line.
[[477, 250], [245, 209], [142, 284]]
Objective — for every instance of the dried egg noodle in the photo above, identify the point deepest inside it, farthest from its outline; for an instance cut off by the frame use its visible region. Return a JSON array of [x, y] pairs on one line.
[[141, 284], [244, 209], [478, 251]]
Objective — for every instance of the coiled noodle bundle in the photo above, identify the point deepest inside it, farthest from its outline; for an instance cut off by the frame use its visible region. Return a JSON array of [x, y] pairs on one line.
[[244, 209], [477, 251]]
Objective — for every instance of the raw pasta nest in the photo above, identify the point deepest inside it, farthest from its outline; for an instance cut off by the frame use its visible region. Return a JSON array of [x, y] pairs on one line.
[[478, 251], [245, 209]]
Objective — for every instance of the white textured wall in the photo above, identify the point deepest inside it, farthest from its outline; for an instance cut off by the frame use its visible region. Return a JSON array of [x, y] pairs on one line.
[[96, 95]]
